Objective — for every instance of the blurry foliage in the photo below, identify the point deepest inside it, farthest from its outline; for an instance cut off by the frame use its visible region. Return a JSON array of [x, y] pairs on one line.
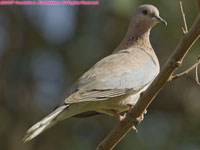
[[45, 49]]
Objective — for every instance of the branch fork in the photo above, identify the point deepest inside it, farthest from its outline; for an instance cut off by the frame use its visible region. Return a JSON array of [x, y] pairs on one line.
[[194, 66]]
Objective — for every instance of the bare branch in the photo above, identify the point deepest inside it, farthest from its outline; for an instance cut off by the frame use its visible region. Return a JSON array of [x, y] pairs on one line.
[[161, 80], [173, 77], [185, 28]]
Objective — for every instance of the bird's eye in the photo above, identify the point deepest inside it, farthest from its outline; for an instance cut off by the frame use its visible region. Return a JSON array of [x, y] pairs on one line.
[[144, 12]]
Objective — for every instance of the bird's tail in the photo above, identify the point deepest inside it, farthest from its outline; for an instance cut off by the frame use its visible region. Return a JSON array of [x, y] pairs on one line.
[[44, 124]]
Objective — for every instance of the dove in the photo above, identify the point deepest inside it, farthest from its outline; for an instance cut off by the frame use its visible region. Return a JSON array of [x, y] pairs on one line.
[[114, 84]]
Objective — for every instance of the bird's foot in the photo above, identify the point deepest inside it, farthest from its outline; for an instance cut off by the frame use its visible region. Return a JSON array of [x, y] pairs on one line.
[[118, 116], [121, 117]]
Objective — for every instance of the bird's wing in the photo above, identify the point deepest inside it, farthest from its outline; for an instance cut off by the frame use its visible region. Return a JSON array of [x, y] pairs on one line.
[[115, 75]]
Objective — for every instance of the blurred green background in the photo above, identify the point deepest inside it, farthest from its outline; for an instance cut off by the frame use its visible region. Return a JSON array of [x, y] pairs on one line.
[[45, 49]]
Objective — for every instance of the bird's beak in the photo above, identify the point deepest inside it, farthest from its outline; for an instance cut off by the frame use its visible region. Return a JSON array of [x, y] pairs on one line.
[[161, 20]]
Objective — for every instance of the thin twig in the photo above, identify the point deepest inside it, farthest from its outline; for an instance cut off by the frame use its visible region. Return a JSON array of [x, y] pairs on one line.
[[185, 28], [187, 71]]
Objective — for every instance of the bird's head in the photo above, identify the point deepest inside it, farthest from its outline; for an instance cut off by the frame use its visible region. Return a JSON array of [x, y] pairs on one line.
[[145, 17]]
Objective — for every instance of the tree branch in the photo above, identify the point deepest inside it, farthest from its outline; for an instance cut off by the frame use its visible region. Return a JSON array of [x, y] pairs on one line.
[[173, 62], [194, 66]]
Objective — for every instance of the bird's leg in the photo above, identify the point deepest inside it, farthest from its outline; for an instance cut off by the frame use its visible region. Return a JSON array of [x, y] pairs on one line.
[[117, 115]]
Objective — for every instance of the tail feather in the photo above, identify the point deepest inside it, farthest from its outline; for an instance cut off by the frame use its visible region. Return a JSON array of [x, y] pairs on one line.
[[44, 124]]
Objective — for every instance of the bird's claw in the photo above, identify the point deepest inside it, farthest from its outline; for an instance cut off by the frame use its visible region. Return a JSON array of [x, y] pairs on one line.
[[118, 116]]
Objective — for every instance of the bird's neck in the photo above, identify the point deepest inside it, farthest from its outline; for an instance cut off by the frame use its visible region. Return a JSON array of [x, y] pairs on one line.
[[135, 38]]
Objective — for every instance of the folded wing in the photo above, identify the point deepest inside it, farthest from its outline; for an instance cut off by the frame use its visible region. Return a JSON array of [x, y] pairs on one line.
[[118, 74]]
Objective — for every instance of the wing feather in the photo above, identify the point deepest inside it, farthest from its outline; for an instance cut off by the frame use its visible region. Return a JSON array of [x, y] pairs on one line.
[[115, 75]]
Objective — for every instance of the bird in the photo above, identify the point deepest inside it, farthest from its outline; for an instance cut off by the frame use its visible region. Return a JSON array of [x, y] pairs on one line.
[[114, 84]]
